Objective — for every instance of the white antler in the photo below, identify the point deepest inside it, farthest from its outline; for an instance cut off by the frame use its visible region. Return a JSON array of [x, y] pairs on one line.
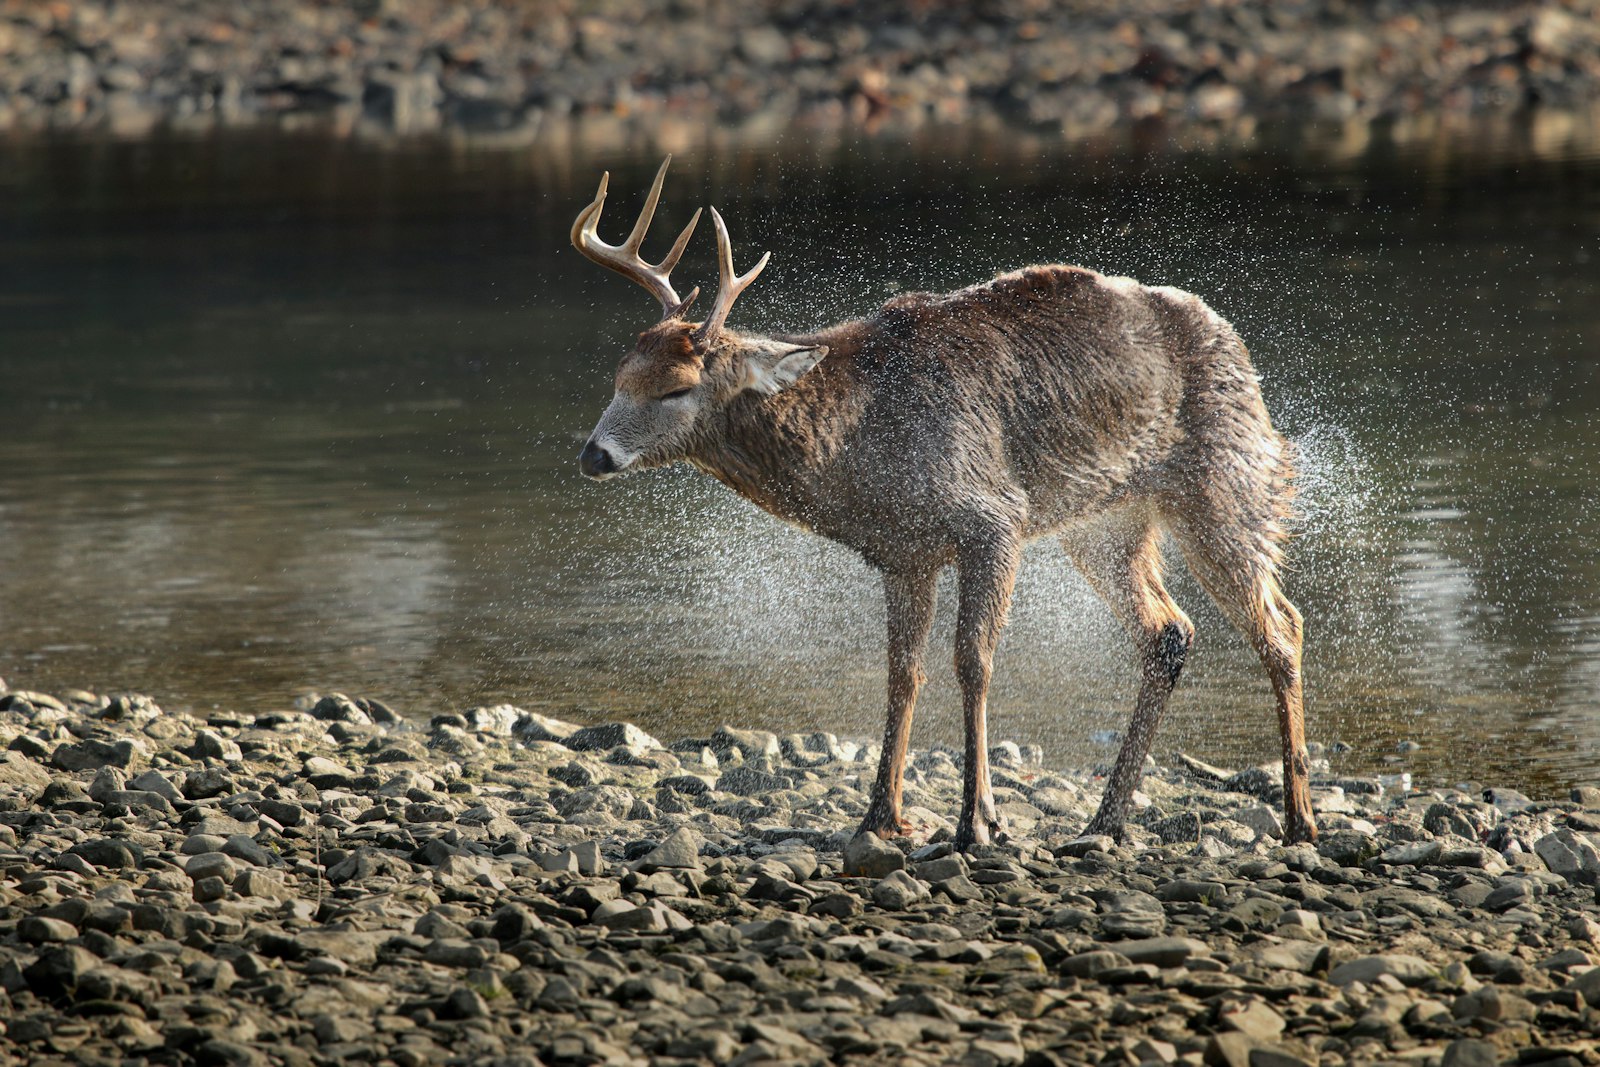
[[625, 258]]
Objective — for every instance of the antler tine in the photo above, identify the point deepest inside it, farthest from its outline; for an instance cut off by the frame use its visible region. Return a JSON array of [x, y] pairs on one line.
[[625, 258], [729, 286]]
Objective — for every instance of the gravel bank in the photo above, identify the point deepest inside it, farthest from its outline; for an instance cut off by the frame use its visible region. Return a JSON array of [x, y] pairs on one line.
[[496, 887], [415, 66]]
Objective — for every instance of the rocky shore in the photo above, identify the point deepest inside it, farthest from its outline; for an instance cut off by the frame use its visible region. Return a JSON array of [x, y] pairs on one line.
[[336, 884], [513, 70]]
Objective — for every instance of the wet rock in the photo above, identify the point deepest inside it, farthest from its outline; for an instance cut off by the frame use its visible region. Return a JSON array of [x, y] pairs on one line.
[[680, 851], [607, 736], [1092, 964], [1347, 848], [59, 970], [1572, 855], [869, 856], [108, 853], [92, 754], [749, 782], [1162, 951], [898, 891], [208, 744], [1409, 970], [749, 744], [1253, 1018], [1470, 1052], [336, 707], [39, 930], [1132, 915], [1493, 1004], [532, 727]]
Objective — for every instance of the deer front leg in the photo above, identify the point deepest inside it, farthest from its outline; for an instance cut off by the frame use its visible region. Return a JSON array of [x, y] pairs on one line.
[[909, 599], [988, 573]]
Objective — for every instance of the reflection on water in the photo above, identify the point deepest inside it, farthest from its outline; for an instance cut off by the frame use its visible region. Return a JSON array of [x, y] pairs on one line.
[[284, 415]]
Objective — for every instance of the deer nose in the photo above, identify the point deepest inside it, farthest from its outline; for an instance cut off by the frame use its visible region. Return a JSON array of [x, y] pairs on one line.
[[596, 462]]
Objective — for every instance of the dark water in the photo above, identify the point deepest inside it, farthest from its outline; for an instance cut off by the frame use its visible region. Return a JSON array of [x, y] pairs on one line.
[[285, 414]]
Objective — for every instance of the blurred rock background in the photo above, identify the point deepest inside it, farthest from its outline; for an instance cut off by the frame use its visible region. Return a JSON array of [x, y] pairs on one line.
[[514, 69]]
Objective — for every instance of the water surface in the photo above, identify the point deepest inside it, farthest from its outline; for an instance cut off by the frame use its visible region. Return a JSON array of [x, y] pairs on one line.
[[284, 414]]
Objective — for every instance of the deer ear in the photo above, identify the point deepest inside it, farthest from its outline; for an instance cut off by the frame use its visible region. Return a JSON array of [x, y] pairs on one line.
[[772, 370]]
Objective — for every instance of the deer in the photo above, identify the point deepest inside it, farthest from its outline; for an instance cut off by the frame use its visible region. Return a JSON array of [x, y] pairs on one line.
[[954, 429]]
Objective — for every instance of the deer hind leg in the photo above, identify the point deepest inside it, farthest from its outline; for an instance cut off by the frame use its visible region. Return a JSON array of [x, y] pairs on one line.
[[1125, 569], [909, 599], [1238, 563], [988, 572]]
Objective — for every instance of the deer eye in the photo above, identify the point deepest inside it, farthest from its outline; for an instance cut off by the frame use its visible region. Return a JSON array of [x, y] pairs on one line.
[[675, 394]]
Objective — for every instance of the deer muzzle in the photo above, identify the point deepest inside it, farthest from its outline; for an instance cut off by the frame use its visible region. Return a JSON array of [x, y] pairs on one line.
[[596, 462]]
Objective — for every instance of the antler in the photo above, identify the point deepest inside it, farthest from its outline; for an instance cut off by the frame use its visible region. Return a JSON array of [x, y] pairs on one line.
[[728, 286], [625, 258]]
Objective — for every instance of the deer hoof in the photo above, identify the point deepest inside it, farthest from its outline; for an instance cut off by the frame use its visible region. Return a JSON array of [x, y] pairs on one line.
[[972, 833], [1099, 827]]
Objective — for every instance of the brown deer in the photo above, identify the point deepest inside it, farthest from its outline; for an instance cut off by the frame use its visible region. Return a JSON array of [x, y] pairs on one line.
[[956, 428]]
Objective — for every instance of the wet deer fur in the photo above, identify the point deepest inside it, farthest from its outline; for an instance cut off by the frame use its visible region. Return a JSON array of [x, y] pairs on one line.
[[955, 428]]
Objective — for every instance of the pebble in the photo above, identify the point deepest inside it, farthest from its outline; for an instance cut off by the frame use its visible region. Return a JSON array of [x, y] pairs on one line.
[[346, 881]]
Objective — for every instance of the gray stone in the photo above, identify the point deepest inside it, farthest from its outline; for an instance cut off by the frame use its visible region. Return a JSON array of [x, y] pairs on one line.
[[325, 773], [1091, 964], [59, 969], [750, 744], [1254, 1019], [898, 891], [93, 754], [108, 853], [1301, 957], [961, 889], [680, 851], [609, 735], [624, 915], [211, 865], [688, 784], [533, 727], [1470, 1052], [282, 812], [1347, 848], [749, 782], [951, 866], [336, 707], [156, 782], [1082, 846], [365, 864], [1162, 951], [1367, 969], [1570, 854], [1132, 915], [1413, 854], [18, 771], [1587, 983], [39, 930], [208, 744], [258, 883], [870, 856], [1260, 820]]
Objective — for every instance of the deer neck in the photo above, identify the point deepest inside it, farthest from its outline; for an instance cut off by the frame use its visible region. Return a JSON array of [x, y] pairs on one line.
[[776, 450]]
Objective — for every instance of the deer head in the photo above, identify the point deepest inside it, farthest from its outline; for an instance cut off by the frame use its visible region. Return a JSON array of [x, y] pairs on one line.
[[680, 374]]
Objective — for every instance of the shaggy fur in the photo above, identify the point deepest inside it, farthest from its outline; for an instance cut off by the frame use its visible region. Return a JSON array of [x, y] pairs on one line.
[[952, 429]]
